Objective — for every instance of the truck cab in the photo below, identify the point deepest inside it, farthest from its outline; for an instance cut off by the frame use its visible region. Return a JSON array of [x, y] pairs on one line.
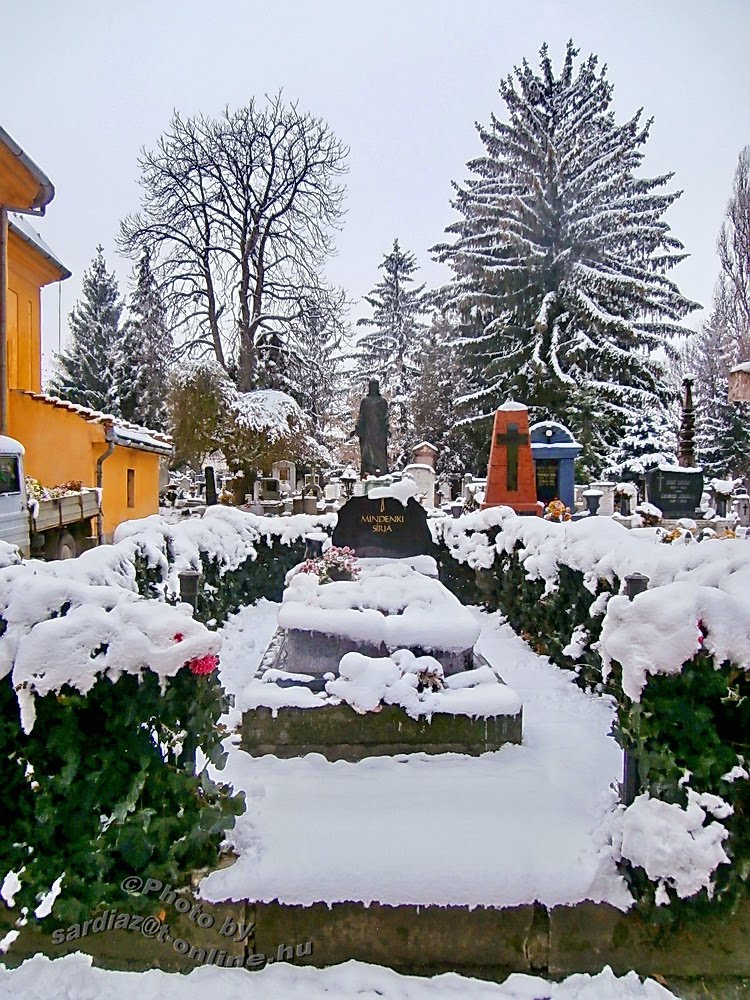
[[14, 511], [59, 526]]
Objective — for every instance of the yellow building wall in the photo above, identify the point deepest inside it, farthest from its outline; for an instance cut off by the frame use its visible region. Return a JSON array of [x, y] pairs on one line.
[[145, 466], [61, 445], [28, 272]]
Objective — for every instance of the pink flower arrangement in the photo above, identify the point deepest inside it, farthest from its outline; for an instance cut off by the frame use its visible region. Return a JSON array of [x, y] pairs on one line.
[[336, 563], [199, 665]]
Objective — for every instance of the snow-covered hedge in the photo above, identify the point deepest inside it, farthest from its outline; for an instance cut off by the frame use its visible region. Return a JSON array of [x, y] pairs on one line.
[[107, 688], [104, 698], [676, 658], [241, 556]]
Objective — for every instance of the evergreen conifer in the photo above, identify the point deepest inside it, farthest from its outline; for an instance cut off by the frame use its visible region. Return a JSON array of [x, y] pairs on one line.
[[561, 257], [85, 372], [391, 348], [143, 354]]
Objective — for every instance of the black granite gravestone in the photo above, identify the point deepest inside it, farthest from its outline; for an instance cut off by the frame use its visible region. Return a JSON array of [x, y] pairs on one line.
[[676, 492], [383, 528], [211, 495]]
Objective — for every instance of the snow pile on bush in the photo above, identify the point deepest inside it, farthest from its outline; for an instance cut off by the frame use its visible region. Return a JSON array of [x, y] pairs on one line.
[[599, 547], [672, 844], [93, 641], [63, 631], [661, 629], [223, 535], [390, 604], [366, 682], [70, 622], [467, 539], [698, 597], [9, 555]]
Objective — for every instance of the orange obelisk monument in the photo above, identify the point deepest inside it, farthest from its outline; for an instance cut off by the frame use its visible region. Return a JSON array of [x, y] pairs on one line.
[[511, 480]]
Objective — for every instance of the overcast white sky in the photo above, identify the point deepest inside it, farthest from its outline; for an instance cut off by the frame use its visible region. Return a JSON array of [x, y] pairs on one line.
[[86, 83]]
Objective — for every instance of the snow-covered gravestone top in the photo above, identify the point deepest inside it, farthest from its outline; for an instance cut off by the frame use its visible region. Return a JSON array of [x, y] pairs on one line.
[[607, 502], [739, 383], [387, 523], [424, 453]]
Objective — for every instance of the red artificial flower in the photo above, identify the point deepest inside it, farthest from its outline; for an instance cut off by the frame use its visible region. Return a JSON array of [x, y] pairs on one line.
[[178, 637], [201, 665], [702, 631]]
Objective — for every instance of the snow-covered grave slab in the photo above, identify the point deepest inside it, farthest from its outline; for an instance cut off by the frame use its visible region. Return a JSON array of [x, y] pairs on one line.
[[390, 657], [390, 606], [529, 822]]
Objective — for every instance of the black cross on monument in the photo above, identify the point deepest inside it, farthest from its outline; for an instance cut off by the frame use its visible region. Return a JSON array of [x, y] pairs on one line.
[[511, 440]]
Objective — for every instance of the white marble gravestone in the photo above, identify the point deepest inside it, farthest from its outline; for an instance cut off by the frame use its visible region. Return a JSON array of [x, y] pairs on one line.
[[332, 491], [607, 505], [286, 473], [424, 477]]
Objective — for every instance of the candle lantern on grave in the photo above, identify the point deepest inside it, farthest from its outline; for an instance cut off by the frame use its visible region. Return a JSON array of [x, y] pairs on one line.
[[348, 478]]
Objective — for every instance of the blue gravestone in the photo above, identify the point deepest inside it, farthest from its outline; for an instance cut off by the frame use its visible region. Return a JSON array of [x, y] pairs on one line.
[[554, 451]]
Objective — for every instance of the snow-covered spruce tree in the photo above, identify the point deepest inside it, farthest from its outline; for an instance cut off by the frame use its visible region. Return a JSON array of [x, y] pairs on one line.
[[723, 428], [144, 354], [561, 258], [391, 348], [648, 439], [85, 372], [434, 404]]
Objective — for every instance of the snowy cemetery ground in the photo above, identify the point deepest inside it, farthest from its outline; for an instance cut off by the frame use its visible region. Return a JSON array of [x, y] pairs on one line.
[[522, 824]]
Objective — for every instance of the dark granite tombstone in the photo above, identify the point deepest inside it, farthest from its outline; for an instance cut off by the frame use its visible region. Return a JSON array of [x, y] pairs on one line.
[[267, 489], [383, 528], [211, 495], [675, 491]]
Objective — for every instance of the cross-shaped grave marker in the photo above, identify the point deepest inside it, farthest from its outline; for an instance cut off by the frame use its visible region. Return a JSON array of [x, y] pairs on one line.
[[510, 470], [512, 440]]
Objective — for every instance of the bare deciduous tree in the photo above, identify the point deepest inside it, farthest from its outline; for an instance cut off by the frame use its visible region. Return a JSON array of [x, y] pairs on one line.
[[733, 247], [238, 214]]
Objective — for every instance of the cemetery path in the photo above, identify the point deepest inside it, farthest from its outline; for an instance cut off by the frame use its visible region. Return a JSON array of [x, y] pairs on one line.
[[521, 824]]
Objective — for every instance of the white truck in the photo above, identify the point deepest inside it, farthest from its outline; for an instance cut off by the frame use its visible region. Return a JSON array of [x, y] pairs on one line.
[[59, 528]]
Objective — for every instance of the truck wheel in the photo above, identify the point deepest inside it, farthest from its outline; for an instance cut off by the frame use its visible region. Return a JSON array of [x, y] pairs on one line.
[[66, 547]]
